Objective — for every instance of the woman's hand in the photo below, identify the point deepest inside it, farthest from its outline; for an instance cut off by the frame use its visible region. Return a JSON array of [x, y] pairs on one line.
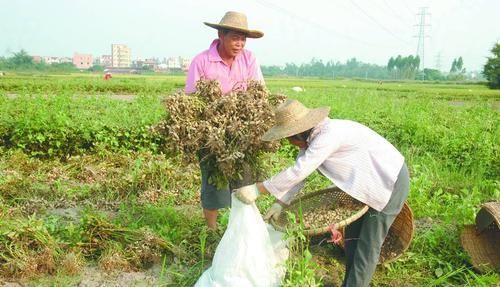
[[273, 212], [247, 194]]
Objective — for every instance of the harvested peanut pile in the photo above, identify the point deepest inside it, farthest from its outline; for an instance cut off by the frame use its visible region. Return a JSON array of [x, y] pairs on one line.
[[327, 215], [322, 210], [226, 128], [391, 248]]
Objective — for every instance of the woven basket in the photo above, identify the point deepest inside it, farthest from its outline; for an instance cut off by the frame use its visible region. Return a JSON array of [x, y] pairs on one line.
[[400, 236], [402, 231], [328, 198], [482, 241]]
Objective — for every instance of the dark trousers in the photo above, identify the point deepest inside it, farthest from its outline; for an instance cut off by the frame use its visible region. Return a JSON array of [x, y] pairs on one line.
[[365, 236], [212, 197]]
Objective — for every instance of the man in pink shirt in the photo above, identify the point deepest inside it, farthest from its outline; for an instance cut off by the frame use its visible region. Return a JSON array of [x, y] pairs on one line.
[[228, 62]]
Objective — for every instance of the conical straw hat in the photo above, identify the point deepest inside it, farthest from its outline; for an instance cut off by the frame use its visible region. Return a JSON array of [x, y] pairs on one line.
[[292, 118], [237, 22]]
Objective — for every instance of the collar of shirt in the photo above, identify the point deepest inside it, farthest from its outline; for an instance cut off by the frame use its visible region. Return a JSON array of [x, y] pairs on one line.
[[317, 129], [213, 54]]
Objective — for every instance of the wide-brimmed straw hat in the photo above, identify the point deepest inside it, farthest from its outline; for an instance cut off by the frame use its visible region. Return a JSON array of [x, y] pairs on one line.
[[237, 22], [292, 118]]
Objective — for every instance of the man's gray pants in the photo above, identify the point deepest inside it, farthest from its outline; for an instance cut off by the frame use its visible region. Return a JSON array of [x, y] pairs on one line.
[[365, 236]]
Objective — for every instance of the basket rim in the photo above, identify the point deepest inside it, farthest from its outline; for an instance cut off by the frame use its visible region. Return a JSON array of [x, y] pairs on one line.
[[325, 229], [493, 209]]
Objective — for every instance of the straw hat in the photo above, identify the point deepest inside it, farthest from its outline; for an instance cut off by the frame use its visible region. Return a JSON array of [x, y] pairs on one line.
[[292, 118], [237, 22]]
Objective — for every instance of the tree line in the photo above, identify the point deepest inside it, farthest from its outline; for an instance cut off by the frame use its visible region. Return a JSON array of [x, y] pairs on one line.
[[23, 61], [352, 68], [398, 68]]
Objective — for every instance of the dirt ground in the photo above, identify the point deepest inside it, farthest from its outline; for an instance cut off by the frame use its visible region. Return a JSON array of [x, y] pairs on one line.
[[93, 277]]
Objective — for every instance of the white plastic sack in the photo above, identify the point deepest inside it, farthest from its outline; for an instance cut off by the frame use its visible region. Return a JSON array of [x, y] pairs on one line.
[[250, 254]]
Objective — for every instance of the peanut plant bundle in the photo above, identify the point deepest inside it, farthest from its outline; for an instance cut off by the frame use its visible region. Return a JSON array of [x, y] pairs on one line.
[[224, 129]]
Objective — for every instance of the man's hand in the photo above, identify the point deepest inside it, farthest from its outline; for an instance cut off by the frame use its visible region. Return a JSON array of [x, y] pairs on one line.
[[247, 194], [273, 212]]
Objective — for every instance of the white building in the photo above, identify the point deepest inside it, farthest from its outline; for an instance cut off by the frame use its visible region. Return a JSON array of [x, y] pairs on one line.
[[120, 55], [65, 60], [51, 60], [185, 63], [177, 63], [173, 63], [104, 60]]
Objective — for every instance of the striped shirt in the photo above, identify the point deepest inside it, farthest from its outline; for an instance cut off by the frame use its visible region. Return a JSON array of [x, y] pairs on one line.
[[209, 65], [355, 158]]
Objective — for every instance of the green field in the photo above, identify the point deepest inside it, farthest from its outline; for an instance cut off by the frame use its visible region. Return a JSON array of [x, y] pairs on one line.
[[85, 185]]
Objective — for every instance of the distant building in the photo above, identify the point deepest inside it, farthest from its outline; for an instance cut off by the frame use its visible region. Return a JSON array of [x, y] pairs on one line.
[[64, 60], [120, 55], [151, 63], [49, 60], [36, 59], [162, 67], [104, 60], [185, 63], [107, 60], [137, 64], [173, 63], [177, 63], [82, 61]]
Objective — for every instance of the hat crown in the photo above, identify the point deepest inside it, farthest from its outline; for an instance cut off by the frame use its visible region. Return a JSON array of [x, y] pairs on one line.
[[289, 112], [234, 19], [292, 117]]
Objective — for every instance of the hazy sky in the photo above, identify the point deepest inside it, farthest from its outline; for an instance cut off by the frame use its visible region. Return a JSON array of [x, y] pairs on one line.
[[295, 30]]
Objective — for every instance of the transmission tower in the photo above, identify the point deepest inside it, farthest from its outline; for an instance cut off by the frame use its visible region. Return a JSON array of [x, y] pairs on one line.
[[438, 61], [422, 35]]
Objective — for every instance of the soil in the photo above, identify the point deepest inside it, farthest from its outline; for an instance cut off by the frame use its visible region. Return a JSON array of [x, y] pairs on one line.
[[94, 277]]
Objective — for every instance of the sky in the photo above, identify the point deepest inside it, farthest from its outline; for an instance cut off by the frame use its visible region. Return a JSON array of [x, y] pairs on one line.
[[296, 31]]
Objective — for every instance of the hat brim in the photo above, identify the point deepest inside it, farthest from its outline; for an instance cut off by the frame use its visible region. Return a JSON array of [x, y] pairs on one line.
[[308, 121], [249, 33]]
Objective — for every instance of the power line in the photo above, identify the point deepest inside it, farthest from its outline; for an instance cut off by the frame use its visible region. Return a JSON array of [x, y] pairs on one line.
[[378, 23], [313, 23], [394, 13]]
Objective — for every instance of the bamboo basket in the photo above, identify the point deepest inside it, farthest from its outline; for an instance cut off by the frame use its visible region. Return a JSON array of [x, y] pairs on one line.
[[400, 236], [402, 230], [482, 241], [330, 197]]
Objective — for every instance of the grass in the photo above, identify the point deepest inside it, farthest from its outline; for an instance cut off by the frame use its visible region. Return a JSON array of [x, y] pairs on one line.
[[119, 175]]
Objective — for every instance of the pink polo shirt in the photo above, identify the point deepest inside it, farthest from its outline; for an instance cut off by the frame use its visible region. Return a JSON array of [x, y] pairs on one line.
[[209, 65]]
